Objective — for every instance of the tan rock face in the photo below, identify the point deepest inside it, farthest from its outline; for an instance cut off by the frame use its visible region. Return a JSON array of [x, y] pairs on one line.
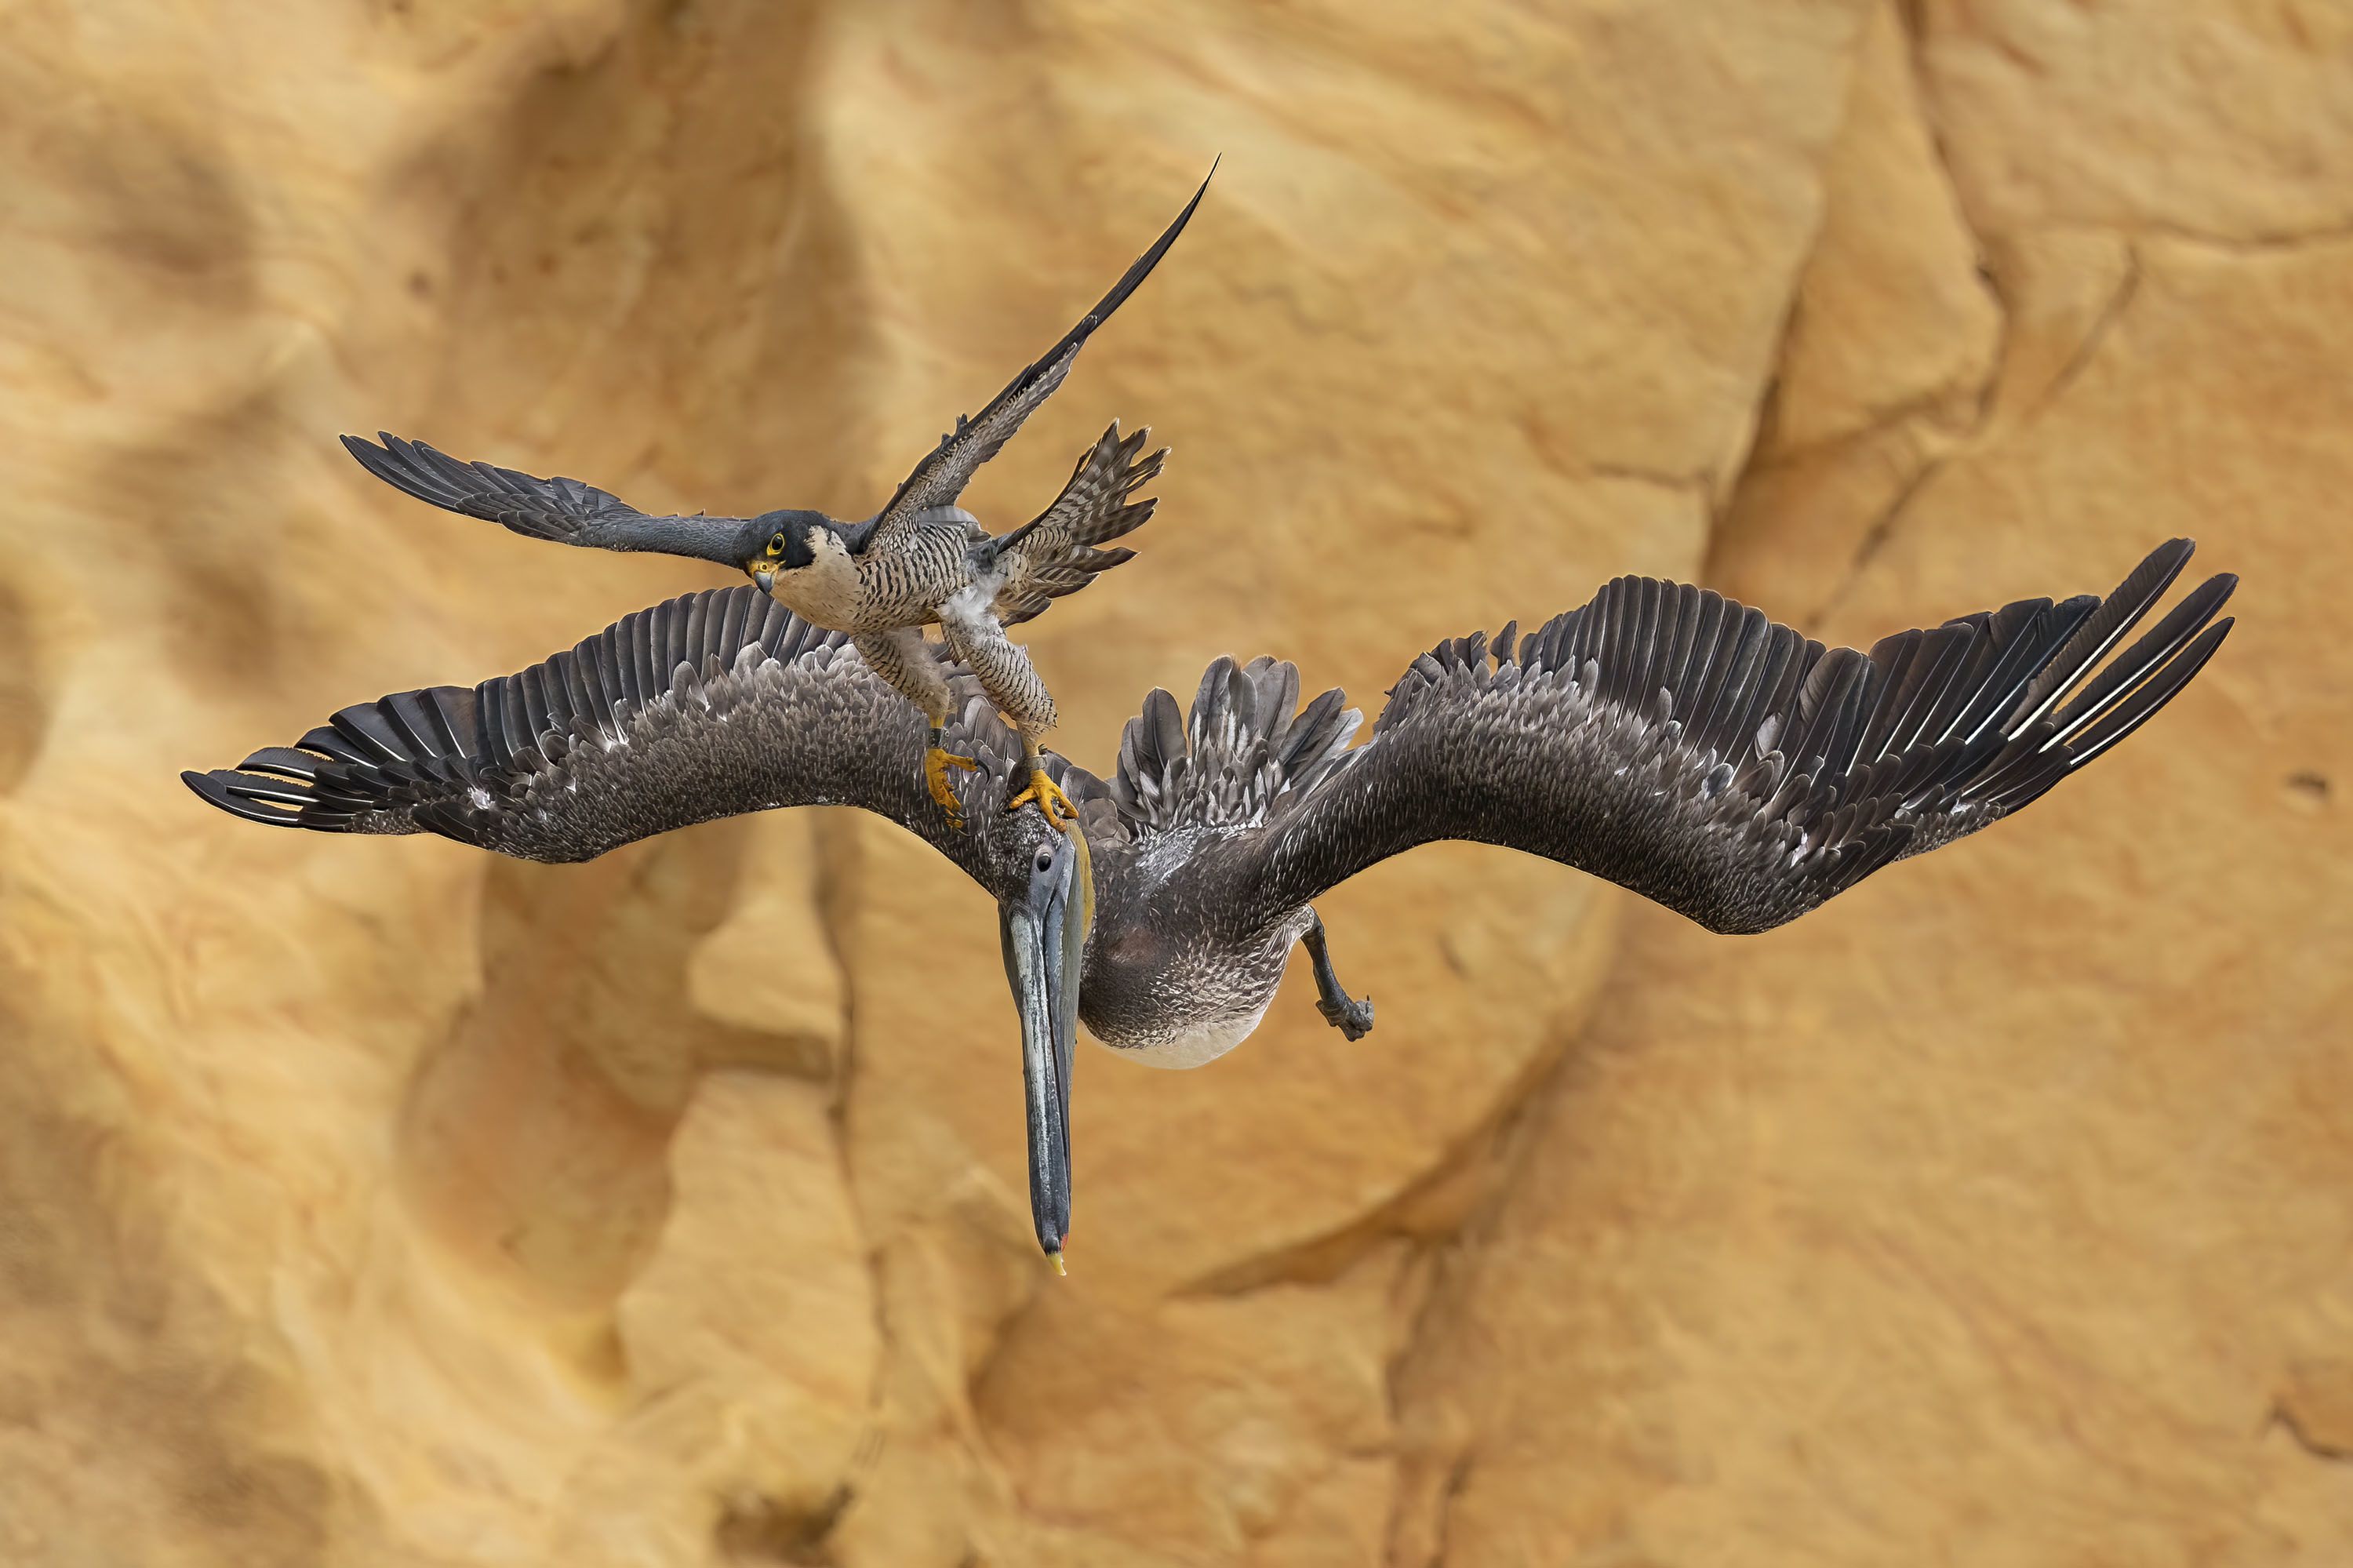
[[370, 1204]]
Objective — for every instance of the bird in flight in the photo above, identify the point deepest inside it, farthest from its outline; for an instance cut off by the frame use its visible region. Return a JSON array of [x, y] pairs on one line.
[[921, 560], [1662, 737]]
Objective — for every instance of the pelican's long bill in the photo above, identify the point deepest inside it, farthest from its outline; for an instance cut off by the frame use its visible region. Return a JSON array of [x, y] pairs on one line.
[[1045, 938]]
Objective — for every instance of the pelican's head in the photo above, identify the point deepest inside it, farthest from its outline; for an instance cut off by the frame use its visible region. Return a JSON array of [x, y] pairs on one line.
[[786, 545], [1045, 903]]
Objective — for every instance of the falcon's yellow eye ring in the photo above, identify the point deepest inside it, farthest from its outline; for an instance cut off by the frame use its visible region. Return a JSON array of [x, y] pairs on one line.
[[776, 545]]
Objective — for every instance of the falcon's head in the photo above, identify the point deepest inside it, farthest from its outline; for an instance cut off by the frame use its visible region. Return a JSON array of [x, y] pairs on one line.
[[789, 546]]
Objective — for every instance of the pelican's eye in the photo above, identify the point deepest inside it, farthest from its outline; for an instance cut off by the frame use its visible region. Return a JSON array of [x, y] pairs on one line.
[[1045, 858], [775, 545]]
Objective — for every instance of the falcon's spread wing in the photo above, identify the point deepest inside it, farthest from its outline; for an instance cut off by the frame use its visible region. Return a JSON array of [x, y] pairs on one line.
[[1054, 553], [945, 471], [703, 706], [563, 510], [1671, 741]]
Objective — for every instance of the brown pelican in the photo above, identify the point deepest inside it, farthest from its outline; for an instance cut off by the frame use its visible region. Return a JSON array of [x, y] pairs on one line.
[[1662, 737], [922, 560]]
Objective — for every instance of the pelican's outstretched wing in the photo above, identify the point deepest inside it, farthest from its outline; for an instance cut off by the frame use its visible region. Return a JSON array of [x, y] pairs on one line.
[[1671, 741], [563, 510], [947, 468], [706, 706]]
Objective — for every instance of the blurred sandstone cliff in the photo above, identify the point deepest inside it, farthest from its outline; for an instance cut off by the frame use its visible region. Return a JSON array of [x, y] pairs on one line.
[[376, 1204]]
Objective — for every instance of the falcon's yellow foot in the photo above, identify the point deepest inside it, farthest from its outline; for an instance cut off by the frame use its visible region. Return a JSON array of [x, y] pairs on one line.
[[936, 763], [1049, 798]]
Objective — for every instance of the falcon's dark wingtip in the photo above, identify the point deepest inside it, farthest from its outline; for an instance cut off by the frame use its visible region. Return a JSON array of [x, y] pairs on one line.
[[412, 468], [1129, 281], [1136, 273], [378, 459]]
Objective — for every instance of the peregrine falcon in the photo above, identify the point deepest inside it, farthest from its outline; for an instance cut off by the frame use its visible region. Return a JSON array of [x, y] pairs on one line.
[[1662, 737], [921, 560]]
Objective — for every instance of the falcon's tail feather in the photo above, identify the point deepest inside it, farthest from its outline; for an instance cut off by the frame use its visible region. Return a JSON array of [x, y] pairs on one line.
[[1055, 553]]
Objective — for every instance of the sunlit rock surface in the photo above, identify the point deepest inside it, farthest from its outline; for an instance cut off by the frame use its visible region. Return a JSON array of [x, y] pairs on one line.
[[376, 1204]]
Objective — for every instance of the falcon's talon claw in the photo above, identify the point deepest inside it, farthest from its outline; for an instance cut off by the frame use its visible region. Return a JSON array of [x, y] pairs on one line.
[[1048, 798], [936, 763]]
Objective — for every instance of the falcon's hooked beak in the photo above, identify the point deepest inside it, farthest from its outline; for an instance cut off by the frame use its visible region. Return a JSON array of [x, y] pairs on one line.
[[764, 574], [1045, 938]]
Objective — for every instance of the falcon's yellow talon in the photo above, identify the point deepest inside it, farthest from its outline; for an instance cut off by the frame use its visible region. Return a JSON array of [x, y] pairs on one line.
[[936, 763], [1048, 798]]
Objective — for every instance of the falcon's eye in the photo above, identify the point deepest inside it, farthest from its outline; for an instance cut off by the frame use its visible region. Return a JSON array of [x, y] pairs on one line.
[[776, 545]]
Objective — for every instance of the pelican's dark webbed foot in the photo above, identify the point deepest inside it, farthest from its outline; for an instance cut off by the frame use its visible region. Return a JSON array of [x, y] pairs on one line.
[[936, 763], [1343, 1012]]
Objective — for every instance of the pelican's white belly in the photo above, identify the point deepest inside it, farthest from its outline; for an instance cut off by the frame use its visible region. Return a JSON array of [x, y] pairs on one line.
[[1195, 1044]]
